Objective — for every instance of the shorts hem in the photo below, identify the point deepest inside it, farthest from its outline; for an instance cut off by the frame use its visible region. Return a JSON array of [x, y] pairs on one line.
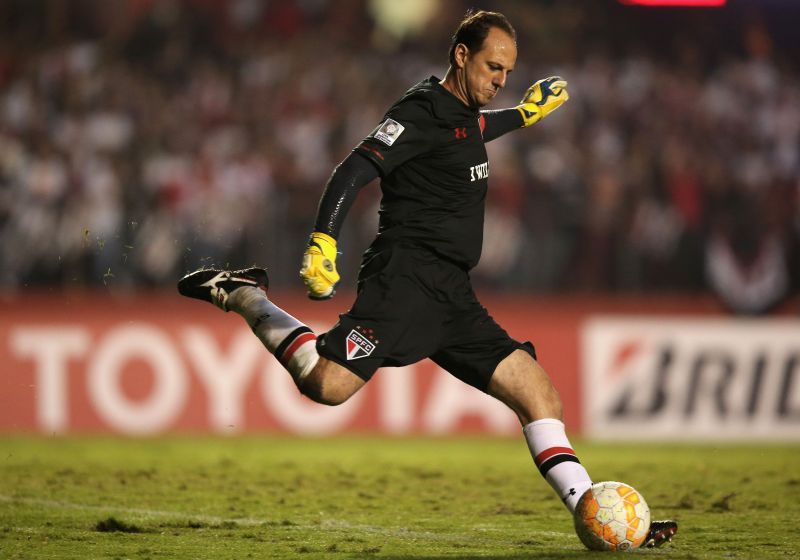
[[526, 347], [344, 363]]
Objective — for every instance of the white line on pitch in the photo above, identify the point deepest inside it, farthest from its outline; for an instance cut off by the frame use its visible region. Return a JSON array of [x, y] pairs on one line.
[[325, 524], [57, 504]]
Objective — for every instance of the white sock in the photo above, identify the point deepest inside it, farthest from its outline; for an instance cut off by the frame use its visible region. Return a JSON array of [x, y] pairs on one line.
[[289, 340], [556, 460]]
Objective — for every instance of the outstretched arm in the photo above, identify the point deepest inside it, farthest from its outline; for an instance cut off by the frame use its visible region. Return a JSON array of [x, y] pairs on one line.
[[541, 99], [497, 123], [319, 261]]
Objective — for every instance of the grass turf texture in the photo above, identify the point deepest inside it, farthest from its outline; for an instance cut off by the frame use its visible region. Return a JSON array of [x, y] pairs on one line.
[[372, 498]]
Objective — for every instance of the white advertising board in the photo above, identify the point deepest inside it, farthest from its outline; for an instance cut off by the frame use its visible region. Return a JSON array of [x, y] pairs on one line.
[[690, 378]]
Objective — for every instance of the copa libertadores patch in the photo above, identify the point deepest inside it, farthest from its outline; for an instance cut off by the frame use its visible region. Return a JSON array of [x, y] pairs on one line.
[[358, 346], [389, 131]]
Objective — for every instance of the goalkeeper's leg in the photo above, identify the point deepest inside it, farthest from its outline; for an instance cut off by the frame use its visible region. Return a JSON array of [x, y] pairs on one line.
[[521, 383], [289, 340]]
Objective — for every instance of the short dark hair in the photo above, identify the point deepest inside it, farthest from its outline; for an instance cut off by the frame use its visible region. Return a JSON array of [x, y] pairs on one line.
[[474, 28]]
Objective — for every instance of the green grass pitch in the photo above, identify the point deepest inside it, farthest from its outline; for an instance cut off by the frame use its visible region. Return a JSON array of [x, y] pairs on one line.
[[342, 498]]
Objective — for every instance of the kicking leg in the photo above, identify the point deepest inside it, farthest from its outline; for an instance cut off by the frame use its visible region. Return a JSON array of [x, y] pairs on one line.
[[521, 383], [289, 340]]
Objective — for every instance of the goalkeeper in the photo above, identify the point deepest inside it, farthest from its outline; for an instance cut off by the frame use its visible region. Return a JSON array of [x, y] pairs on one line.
[[414, 297]]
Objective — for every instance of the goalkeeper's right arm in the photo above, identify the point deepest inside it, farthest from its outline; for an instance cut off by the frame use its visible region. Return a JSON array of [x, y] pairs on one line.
[[541, 99], [319, 260]]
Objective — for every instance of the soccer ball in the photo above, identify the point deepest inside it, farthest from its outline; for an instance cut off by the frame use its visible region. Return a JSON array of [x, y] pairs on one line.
[[612, 516]]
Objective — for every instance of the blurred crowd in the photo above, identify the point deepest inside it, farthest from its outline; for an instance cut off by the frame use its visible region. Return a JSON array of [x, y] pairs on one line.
[[141, 139]]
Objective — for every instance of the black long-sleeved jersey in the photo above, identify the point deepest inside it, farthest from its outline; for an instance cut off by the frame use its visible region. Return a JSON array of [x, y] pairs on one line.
[[430, 153], [433, 117]]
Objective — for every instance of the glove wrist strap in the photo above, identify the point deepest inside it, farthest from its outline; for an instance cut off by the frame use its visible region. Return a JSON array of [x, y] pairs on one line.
[[318, 236]]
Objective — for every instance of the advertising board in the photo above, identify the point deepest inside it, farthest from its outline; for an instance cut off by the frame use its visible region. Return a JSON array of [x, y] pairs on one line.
[[673, 378]]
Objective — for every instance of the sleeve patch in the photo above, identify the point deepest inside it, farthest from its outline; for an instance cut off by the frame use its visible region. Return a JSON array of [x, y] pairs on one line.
[[389, 131]]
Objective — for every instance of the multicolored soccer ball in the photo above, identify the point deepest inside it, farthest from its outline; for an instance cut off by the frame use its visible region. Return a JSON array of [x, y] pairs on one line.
[[612, 516]]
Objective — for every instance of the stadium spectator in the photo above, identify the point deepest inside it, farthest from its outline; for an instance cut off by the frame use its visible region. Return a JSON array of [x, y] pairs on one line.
[[123, 126]]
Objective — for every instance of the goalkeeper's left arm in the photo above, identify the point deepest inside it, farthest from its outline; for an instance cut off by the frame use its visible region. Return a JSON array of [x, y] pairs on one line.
[[319, 260], [541, 99]]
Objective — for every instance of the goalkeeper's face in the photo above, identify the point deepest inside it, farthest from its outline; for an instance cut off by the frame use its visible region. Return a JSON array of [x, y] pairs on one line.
[[485, 71]]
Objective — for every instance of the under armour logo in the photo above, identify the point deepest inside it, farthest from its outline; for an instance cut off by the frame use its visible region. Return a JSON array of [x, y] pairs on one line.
[[461, 133], [259, 321]]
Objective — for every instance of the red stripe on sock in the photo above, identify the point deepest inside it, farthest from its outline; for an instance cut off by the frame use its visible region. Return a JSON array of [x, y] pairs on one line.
[[549, 452], [298, 342]]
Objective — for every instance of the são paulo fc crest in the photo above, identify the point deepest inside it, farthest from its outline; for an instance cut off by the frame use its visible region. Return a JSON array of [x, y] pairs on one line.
[[359, 344], [389, 131]]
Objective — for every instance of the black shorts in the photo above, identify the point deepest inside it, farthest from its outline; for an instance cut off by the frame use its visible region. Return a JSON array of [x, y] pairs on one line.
[[411, 305]]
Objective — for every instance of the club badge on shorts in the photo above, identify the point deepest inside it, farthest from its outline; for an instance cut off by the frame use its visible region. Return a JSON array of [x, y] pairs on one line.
[[358, 345], [389, 131]]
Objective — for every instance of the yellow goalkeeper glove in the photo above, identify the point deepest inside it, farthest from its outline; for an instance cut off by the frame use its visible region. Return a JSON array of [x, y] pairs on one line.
[[542, 98], [319, 266]]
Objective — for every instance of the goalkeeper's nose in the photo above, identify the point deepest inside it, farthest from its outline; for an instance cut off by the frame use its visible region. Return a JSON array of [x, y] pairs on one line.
[[500, 81]]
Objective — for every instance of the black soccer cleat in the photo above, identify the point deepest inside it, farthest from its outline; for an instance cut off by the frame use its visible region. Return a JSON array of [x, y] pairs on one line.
[[660, 532], [215, 286]]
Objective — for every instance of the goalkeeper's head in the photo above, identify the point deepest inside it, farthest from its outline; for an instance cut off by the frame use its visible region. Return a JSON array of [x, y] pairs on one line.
[[483, 52]]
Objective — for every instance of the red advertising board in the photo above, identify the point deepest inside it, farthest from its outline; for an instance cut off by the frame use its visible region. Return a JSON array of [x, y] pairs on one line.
[[155, 363]]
